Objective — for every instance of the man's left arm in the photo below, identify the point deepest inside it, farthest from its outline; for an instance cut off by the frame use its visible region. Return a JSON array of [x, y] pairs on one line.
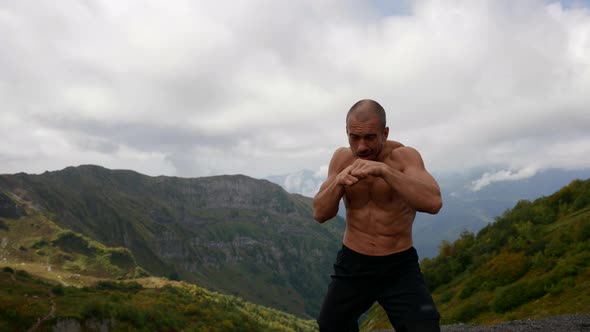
[[417, 187]]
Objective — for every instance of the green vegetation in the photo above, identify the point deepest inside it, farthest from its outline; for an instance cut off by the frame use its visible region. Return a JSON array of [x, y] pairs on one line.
[[532, 262], [232, 234], [36, 239], [142, 305]]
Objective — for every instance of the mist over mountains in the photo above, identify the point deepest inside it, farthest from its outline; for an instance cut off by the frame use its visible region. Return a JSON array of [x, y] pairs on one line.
[[304, 182], [463, 207]]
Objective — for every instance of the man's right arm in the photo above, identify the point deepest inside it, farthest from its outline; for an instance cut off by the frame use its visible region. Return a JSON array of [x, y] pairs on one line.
[[325, 202]]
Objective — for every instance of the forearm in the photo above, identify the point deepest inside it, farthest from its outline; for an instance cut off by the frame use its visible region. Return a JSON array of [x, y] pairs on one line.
[[422, 196], [325, 203]]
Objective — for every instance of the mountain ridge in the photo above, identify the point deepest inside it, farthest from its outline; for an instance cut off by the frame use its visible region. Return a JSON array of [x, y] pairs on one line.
[[234, 233]]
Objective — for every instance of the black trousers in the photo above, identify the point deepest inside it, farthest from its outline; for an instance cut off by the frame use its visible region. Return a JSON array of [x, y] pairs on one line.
[[394, 281]]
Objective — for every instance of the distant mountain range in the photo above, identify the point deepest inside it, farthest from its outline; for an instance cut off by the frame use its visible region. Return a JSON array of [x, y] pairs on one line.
[[234, 234], [463, 208]]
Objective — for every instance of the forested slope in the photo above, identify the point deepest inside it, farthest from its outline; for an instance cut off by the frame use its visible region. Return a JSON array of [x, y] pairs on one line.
[[532, 262]]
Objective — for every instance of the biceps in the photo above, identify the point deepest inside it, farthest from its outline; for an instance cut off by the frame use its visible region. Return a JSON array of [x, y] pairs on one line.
[[420, 174]]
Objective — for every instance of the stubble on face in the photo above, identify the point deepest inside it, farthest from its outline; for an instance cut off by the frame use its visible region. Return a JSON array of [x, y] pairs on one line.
[[365, 136]]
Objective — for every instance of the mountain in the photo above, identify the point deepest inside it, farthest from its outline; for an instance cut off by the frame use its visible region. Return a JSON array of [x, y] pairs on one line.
[[463, 208], [533, 261], [232, 234], [56, 279]]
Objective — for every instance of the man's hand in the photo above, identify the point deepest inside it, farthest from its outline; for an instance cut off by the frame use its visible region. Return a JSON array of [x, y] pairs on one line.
[[345, 178], [360, 168]]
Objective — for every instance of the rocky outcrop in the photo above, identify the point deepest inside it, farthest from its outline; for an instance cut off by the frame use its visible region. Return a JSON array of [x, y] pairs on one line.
[[9, 209]]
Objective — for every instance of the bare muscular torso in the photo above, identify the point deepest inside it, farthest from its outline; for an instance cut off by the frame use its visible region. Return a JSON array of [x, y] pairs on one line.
[[378, 221]]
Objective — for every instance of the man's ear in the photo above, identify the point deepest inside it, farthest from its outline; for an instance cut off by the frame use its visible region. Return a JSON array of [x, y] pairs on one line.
[[386, 132]]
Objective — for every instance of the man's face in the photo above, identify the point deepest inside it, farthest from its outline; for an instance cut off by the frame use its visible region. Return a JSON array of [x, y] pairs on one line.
[[366, 138]]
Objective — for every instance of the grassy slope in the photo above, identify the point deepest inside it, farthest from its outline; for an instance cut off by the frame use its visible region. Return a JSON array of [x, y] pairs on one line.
[[46, 265], [149, 304], [532, 262], [37, 241]]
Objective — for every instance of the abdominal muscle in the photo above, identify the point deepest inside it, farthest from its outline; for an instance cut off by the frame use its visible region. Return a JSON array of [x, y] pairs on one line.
[[378, 229]]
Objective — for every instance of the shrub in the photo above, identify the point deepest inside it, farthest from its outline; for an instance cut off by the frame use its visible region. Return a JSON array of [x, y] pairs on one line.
[[23, 274], [58, 290], [141, 273], [69, 241], [40, 244], [8, 269], [122, 258], [446, 297], [504, 269], [470, 288], [469, 310], [512, 296]]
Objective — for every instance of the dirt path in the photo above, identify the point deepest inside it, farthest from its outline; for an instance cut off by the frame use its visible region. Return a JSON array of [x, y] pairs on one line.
[[569, 323], [48, 316]]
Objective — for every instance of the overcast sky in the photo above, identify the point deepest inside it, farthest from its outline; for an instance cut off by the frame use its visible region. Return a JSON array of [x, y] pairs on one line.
[[197, 88]]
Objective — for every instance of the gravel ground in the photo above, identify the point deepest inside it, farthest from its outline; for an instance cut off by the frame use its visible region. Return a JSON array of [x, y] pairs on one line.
[[568, 323]]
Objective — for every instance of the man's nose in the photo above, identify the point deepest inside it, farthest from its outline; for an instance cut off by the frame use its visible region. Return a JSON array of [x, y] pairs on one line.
[[362, 145]]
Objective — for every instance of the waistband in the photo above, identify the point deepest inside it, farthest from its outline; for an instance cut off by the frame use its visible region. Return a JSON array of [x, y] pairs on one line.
[[348, 253]]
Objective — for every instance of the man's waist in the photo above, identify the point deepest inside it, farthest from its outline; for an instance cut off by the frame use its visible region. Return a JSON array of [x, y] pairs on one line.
[[395, 256]]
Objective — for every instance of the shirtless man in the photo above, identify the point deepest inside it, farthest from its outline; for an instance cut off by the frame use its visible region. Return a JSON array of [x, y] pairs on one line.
[[383, 184]]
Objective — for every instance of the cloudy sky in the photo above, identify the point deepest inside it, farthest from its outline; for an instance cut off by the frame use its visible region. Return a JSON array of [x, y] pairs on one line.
[[197, 88]]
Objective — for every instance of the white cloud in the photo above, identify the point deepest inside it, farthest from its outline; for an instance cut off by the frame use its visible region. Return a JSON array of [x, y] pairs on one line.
[[322, 172], [504, 175], [259, 88]]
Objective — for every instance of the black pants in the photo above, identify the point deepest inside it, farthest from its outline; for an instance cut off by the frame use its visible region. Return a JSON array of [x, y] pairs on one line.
[[394, 281]]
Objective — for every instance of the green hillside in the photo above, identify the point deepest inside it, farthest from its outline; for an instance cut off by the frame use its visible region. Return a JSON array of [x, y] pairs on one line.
[[532, 262], [68, 280], [142, 305], [232, 234], [35, 243]]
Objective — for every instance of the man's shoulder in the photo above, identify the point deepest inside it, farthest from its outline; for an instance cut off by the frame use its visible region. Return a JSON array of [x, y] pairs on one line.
[[400, 152], [342, 152], [342, 156], [393, 148], [393, 145]]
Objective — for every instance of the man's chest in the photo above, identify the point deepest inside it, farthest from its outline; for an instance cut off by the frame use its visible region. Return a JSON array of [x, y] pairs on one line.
[[373, 189], [369, 189]]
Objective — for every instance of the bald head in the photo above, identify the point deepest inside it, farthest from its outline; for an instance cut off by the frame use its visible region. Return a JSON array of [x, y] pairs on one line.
[[365, 109]]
